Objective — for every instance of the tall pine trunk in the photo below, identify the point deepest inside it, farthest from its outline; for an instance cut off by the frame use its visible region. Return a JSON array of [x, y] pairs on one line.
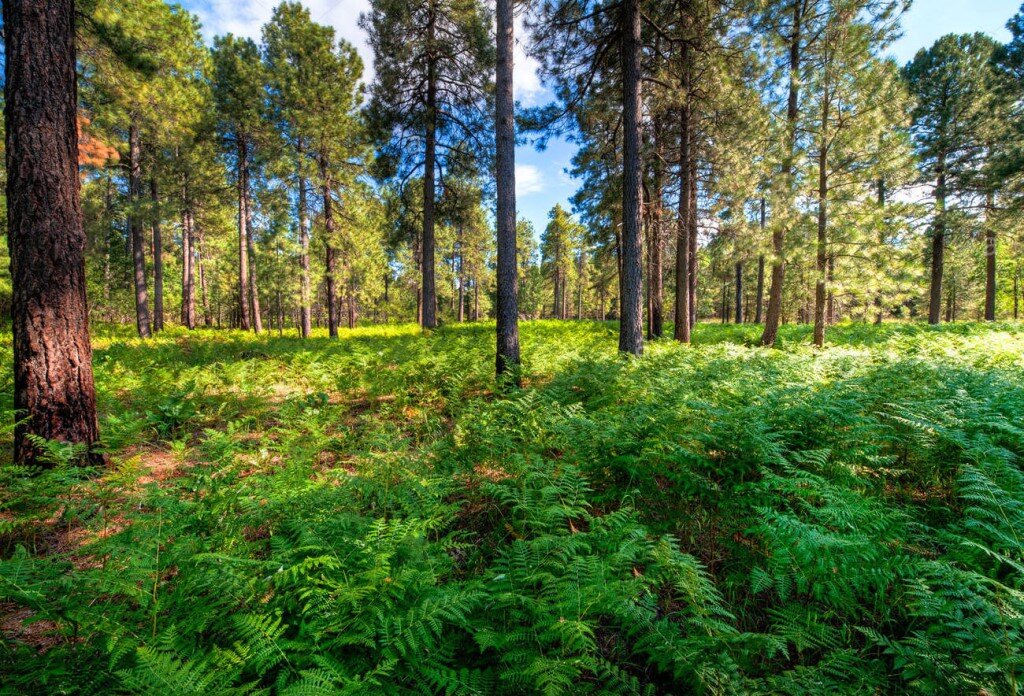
[[54, 395], [429, 165], [990, 262], [135, 226], [305, 318], [655, 243], [821, 282], [759, 294], [188, 301], [631, 338], [692, 243], [938, 245], [200, 264], [460, 279], [254, 292], [158, 259], [329, 255], [774, 314], [682, 304], [243, 234], [739, 292]]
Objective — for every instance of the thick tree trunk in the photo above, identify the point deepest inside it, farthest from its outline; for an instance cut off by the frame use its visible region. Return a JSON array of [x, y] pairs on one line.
[[305, 320], [631, 337], [429, 165], [243, 234], [938, 246], [158, 259], [774, 313], [329, 258], [990, 263], [54, 396], [135, 225]]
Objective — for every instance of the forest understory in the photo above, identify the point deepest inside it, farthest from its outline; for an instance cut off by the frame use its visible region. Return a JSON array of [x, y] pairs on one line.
[[371, 515]]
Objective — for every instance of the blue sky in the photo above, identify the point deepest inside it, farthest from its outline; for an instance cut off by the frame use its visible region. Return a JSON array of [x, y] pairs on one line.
[[541, 181]]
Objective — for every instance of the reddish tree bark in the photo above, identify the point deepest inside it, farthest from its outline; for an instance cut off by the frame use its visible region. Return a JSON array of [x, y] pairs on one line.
[[53, 381]]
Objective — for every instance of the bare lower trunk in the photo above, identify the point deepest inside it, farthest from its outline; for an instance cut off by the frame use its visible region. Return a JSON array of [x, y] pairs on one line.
[[631, 337], [135, 225], [693, 241], [254, 292], [305, 320], [461, 281], [739, 292], [243, 234], [821, 281], [54, 396], [203, 294], [655, 245], [938, 246], [682, 309], [774, 313], [1016, 295], [759, 295], [990, 266], [188, 309], [429, 165], [350, 301], [158, 260], [329, 259]]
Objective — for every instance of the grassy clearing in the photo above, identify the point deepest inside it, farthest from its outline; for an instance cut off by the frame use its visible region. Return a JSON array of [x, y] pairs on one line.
[[367, 516]]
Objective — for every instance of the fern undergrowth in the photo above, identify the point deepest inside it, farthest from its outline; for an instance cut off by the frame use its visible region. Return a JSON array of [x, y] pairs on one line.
[[367, 516]]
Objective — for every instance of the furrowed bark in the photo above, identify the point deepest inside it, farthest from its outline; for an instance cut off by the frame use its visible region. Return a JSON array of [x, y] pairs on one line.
[[430, 162], [631, 338], [54, 395]]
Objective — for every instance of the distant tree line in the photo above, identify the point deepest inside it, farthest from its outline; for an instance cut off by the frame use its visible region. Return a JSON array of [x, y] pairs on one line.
[[752, 162]]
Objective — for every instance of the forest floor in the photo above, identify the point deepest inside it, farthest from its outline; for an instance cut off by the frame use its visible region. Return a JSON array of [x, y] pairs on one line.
[[371, 515]]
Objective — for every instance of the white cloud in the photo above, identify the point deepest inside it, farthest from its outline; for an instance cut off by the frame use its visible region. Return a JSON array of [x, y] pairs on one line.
[[247, 17], [529, 179], [526, 86]]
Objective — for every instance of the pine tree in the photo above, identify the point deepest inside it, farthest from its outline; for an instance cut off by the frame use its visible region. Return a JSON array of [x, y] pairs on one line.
[[507, 349], [238, 88], [53, 381], [433, 63], [952, 83]]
